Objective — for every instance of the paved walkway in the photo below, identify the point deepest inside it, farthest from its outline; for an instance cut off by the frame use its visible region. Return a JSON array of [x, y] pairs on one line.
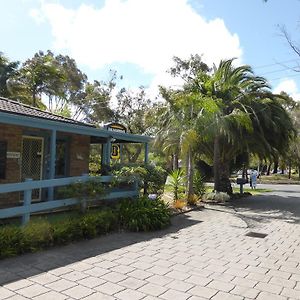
[[203, 255]]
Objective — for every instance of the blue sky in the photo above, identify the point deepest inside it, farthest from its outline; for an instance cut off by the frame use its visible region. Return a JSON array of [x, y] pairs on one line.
[[139, 37]]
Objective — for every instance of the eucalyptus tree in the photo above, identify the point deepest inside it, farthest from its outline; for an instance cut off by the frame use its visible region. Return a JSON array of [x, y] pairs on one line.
[[7, 69]]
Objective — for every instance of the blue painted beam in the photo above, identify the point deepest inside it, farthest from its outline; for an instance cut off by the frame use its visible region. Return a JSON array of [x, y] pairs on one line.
[[43, 206], [52, 163], [38, 184], [146, 159]]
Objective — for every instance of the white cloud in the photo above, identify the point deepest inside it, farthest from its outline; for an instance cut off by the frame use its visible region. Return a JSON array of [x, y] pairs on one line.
[[147, 33], [290, 87]]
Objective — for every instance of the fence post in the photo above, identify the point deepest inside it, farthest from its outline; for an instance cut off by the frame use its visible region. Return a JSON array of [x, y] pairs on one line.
[[26, 204], [83, 200]]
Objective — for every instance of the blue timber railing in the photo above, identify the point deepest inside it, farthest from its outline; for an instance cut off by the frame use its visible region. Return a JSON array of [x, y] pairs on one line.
[[27, 208]]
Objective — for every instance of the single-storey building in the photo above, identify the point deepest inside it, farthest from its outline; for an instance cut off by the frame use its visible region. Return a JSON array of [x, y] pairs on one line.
[[40, 145]]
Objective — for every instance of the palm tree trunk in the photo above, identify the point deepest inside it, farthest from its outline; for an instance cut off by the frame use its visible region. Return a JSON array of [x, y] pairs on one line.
[[217, 163], [190, 174], [175, 161]]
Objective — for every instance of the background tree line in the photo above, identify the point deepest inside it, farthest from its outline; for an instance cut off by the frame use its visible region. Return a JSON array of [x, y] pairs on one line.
[[220, 120]]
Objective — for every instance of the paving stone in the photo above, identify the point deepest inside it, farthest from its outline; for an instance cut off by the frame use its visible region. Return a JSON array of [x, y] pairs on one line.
[[152, 289], [203, 292], [32, 290], [5, 293], [130, 295], [109, 288], [78, 292], [60, 271], [178, 275], [16, 297], [173, 294], [221, 286], [159, 270], [74, 276], [247, 292], [268, 287], [291, 293], [51, 296], [140, 274], [270, 296], [132, 283], [96, 272], [180, 285], [244, 282], [98, 296], [283, 282], [16, 285], [61, 285], [198, 280], [160, 280], [123, 269], [226, 296], [91, 281], [106, 264], [44, 278], [114, 277]]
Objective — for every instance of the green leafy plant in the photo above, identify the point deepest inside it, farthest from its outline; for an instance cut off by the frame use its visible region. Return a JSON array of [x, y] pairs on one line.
[[86, 191], [144, 214], [36, 235], [176, 181], [199, 184], [10, 241]]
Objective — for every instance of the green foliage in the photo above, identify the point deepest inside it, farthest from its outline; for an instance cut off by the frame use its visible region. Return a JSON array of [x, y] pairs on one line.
[[11, 243], [36, 236], [144, 214], [153, 176], [176, 181], [199, 184], [140, 215]]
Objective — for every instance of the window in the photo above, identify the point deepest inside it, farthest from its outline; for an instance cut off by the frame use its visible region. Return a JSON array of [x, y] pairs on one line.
[[3, 153]]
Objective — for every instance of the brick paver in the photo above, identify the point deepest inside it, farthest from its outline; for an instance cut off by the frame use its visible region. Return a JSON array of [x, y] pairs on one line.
[[203, 255]]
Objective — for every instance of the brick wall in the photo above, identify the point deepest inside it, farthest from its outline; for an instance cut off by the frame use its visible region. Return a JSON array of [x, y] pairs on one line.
[[79, 154], [13, 136]]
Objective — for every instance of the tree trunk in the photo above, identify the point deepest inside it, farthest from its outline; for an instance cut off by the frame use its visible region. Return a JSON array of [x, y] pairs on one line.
[[290, 170], [216, 164], [269, 169], [275, 171], [224, 172], [190, 174], [175, 161]]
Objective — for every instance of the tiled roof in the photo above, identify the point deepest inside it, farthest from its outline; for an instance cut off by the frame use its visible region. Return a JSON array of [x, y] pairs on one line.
[[15, 107]]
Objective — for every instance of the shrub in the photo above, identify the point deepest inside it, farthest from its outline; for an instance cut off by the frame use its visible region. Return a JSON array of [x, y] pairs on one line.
[[179, 204], [194, 199], [199, 184], [216, 197], [176, 181], [10, 241], [153, 176], [36, 235], [144, 214], [66, 231]]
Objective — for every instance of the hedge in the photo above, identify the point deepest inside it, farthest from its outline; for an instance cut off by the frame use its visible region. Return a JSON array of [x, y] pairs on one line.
[[135, 215]]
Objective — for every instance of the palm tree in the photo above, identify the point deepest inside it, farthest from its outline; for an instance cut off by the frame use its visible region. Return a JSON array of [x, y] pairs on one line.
[[243, 116]]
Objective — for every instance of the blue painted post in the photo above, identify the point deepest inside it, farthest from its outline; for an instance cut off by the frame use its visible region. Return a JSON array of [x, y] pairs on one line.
[[26, 204], [146, 160], [108, 153], [52, 163]]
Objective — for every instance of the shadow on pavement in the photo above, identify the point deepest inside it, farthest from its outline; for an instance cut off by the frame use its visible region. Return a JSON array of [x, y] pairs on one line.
[[17, 268], [268, 207]]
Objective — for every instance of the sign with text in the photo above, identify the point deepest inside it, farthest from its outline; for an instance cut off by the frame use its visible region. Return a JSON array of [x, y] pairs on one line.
[[115, 151]]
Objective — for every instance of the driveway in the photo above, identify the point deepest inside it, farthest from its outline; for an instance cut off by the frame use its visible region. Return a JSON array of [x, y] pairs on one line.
[[205, 254]]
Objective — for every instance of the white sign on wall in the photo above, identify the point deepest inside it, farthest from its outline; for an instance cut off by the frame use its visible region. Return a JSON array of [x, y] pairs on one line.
[[13, 154]]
